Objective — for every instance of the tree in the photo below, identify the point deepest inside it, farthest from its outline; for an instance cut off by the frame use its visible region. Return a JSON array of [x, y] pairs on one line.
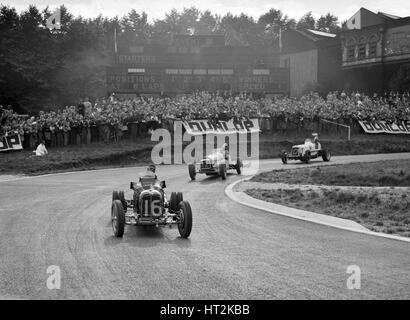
[[274, 22], [276, 17], [306, 22], [328, 23]]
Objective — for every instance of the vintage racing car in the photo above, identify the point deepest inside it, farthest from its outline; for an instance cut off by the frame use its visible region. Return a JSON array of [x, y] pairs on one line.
[[150, 207], [307, 151], [216, 163]]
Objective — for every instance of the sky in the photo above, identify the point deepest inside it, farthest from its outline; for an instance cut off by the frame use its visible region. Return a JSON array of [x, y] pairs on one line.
[[156, 9]]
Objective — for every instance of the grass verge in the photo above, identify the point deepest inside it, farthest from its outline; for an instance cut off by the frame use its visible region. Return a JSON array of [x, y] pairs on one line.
[[380, 173], [380, 211]]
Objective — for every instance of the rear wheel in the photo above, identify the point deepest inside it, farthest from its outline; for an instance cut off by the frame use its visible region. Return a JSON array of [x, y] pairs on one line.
[[306, 157], [239, 166], [185, 224], [117, 218], [119, 195], [192, 172], [180, 197], [222, 171], [175, 200], [326, 156]]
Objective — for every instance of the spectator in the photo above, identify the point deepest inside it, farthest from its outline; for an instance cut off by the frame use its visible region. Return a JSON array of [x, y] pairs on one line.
[[41, 149]]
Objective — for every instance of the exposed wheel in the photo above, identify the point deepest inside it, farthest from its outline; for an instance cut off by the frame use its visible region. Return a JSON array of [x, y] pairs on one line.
[[239, 166], [185, 224], [284, 159], [173, 201], [326, 156], [117, 218], [180, 198], [119, 195], [306, 157], [192, 172], [222, 171]]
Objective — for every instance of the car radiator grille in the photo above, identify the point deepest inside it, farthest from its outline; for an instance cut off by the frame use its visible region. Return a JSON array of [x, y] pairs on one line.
[[147, 204]]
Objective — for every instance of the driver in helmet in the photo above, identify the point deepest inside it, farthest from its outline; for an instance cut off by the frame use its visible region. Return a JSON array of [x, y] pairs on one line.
[[148, 178], [316, 140], [225, 149]]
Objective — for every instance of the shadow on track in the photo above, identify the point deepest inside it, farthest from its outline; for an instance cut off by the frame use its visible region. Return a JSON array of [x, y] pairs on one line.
[[148, 237]]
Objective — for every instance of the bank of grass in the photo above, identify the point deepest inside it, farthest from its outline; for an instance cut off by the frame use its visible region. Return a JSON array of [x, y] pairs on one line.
[[380, 173], [380, 211], [131, 153], [73, 158]]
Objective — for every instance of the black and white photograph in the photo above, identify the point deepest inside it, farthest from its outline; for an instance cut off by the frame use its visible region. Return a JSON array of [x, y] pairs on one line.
[[204, 155]]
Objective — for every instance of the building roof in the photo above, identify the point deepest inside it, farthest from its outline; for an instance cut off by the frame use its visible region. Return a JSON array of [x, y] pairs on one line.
[[321, 33]]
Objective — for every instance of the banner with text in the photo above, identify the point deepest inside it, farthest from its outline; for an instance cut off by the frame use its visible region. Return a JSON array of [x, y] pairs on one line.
[[392, 127], [197, 127], [10, 142]]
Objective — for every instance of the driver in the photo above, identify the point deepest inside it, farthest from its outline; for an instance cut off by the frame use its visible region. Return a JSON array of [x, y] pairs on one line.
[[225, 149], [149, 175], [316, 140]]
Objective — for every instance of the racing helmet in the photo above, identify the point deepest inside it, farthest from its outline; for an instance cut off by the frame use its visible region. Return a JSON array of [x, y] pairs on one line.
[[152, 168]]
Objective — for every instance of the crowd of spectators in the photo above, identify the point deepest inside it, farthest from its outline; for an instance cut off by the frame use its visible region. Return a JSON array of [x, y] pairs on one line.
[[109, 118]]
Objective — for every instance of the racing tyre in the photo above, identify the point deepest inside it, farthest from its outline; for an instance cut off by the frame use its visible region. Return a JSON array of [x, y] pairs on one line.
[[326, 155], [192, 172], [180, 198], [222, 171], [117, 218], [185, 225], [306, 157], [239, 166], [119, 195], [173, 202]]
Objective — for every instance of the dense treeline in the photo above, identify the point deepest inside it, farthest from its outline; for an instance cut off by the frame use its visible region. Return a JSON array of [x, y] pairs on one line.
[[43, 69]]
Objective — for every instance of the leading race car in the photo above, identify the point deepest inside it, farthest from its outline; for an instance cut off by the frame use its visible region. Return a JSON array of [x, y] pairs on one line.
[[219, 162], [307, 151], [150, 207]]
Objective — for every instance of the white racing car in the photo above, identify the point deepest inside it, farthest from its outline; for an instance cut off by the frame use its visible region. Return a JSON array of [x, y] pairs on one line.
[[307, 151], [216, 163]]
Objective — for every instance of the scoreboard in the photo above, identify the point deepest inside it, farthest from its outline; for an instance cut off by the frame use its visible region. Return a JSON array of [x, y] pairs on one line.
[[192, 63]]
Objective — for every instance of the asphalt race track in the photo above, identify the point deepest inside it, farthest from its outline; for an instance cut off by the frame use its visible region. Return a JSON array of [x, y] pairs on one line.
[[234, 252]]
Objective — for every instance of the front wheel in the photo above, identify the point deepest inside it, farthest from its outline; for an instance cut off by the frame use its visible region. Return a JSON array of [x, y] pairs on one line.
[[192, 172], [117, 218], [185, 224], [326, 156], [239, 166], [222, 171]]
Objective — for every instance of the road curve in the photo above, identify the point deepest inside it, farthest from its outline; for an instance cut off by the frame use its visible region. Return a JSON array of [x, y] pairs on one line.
[[234, 252]]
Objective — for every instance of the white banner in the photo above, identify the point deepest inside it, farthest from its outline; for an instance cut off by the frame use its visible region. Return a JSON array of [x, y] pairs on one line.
[[10, 142], [197, 127], [398, 127]]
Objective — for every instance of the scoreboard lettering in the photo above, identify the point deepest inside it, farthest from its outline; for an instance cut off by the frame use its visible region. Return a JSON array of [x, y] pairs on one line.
[[139, 59], [187, 83]]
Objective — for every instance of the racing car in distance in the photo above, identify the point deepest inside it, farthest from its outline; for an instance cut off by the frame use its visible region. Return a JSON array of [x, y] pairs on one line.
[[307, 151], [150, 207], [218, 162]]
